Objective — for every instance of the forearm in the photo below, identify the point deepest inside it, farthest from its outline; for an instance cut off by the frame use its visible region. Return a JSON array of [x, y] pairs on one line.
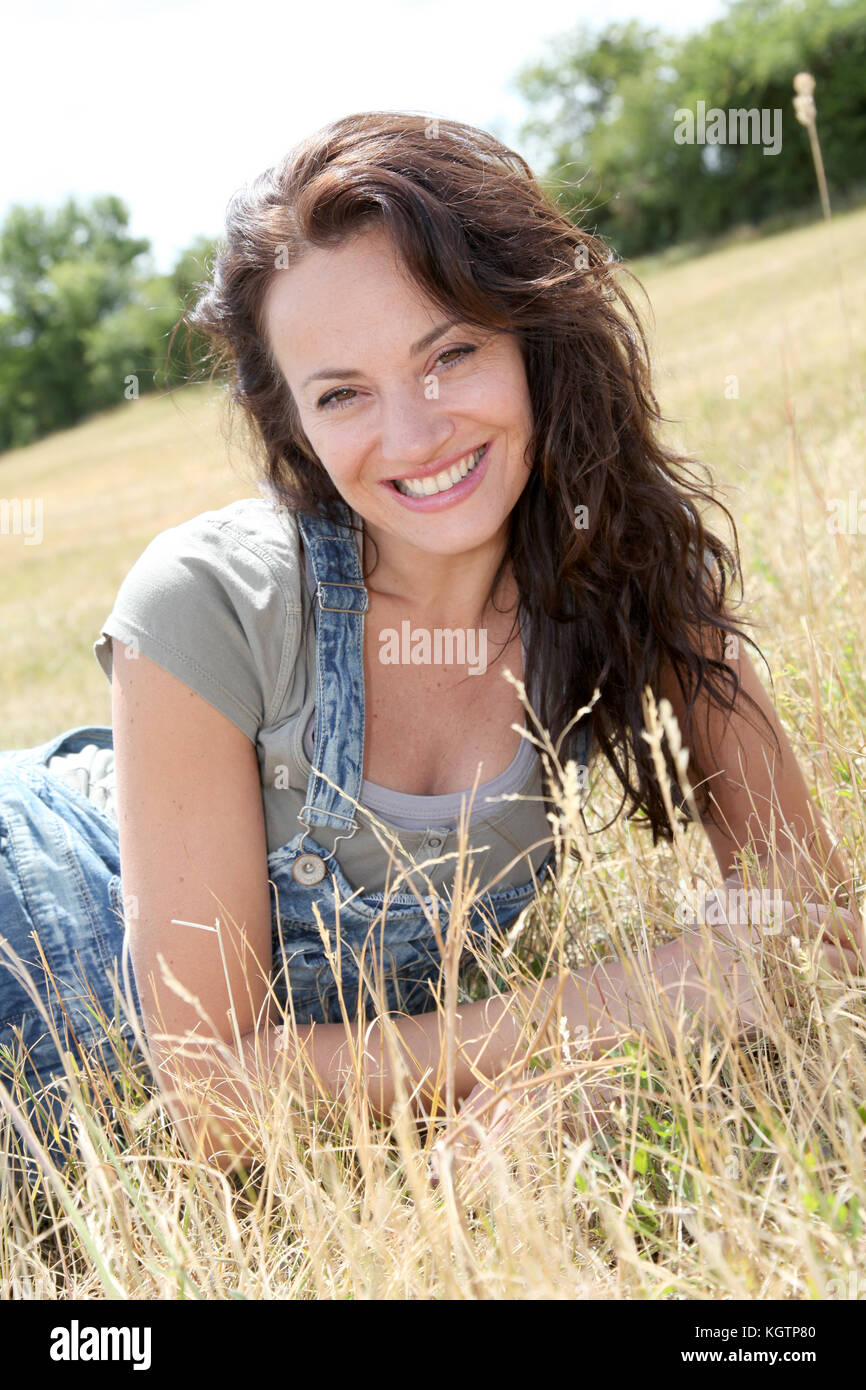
[[808, 871], [799, 859], [599, 1005], [213, 1094], [646, 994], [809, 875]]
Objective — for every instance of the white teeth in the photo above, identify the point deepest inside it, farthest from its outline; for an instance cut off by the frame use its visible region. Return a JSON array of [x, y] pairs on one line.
[[439, 482]]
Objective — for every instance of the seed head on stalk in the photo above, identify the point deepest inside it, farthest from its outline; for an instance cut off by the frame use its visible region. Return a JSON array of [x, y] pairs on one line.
[[806, 113]]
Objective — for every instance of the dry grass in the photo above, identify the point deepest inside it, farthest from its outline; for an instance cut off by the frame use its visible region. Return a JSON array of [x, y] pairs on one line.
[[728, 1170]]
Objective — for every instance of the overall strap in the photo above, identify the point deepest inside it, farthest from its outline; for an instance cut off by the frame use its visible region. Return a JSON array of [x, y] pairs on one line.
[[342, 601]]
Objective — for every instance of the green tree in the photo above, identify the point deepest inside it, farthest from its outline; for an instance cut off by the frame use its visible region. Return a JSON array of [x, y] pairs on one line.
[[603, 104], [83, 325], [144, 339], [59, 275]]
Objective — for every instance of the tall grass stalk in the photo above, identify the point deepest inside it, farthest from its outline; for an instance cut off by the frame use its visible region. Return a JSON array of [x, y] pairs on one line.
[[721, 1168], [717, 1167]]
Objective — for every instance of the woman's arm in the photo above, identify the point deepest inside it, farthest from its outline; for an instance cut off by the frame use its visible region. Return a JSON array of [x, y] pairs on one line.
[[494, 1039], [759, 794], [192, 850], [761, 803]]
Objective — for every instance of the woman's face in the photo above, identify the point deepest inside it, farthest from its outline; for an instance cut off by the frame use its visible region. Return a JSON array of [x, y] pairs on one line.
[[386, 390]]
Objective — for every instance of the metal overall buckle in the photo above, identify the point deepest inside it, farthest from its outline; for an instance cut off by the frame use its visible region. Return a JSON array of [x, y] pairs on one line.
[[309, 868]]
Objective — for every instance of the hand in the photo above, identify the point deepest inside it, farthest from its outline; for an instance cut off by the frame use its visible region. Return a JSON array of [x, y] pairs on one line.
[[839, 932], [843, 936], [485, 1114], [493, 1112]]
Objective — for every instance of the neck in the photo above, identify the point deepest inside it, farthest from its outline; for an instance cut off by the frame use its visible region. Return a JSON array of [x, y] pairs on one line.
[[441, 590]]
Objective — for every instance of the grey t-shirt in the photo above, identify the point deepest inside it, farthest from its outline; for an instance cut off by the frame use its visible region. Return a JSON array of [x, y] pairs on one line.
[[222, 602]]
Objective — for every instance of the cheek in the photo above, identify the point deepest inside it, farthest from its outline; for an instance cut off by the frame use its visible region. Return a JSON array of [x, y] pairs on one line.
[[343, 461], [512, 389], [326, 455], [334, 446], [503, 398], [516, 404]]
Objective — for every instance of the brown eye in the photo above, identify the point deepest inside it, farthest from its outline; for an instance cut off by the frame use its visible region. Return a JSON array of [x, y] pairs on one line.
[[461, 351], [330, 398]]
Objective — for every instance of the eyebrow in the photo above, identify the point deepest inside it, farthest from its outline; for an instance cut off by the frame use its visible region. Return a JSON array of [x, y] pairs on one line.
[[340, 373]]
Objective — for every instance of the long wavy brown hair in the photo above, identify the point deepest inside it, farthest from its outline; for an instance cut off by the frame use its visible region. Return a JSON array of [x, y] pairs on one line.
[[608, 603]]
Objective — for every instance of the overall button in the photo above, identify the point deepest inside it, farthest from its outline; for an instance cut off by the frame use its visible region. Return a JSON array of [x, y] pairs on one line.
[[309, 869]]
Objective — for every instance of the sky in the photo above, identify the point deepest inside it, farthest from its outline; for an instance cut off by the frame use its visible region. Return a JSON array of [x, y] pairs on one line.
[[173, 106]]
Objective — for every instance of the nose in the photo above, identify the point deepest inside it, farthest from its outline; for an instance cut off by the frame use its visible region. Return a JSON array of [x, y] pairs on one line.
[[414, 428]]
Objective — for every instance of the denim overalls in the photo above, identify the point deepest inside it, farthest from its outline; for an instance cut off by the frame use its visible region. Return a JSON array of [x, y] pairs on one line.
[[60, 866]]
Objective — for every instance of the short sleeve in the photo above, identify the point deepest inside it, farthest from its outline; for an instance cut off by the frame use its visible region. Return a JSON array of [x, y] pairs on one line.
[[216, 602]]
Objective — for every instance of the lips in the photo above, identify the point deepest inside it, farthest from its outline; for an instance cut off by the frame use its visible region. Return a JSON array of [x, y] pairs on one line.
[[442, 480], [431, 469], [453, 495]]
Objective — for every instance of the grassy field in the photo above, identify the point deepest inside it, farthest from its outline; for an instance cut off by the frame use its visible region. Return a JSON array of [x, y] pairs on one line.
[[728, 1172]]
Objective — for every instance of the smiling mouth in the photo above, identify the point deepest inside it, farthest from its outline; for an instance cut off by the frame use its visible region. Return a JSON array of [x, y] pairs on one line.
[[440, 482]]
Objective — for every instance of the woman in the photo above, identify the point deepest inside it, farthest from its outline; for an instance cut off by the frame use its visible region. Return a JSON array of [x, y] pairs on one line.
[[455, 412]]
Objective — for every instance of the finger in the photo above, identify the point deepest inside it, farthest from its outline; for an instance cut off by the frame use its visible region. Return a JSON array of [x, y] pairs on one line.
[[842, 962], [447, 1158], [840, 925], [837, 954]]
